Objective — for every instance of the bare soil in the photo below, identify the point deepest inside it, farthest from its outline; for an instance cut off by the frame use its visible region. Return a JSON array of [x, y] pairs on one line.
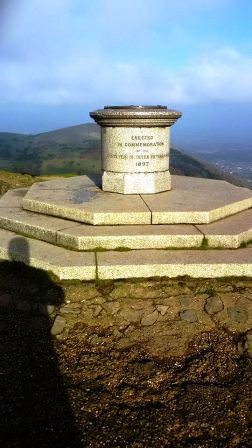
[[102, 383]]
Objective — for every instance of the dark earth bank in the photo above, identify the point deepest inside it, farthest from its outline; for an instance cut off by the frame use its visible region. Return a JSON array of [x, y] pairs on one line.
[[148, 363]]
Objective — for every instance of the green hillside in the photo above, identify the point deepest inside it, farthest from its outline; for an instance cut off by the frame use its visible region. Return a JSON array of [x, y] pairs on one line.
[[76, 150], [73, 135]]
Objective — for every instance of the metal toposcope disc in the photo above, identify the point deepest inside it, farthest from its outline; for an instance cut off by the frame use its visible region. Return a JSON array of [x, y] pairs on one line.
[[136, 107]]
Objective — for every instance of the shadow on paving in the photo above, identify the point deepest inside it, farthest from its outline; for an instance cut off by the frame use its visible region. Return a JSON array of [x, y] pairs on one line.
[[34, 407]]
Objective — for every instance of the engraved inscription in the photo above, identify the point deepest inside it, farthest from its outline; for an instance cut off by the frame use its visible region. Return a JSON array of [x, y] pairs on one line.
[[142, 137], [146, 150]]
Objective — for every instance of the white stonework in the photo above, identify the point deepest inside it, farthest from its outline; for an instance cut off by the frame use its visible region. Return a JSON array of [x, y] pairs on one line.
[[135, 148], [143, 183]]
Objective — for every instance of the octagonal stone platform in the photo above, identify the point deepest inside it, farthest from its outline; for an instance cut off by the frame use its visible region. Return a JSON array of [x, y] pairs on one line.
[[79, 236], [229, 232], [70, 265], [192, 201], [35, 237]]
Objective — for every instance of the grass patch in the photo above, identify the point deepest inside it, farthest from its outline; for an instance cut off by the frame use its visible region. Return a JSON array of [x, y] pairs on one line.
[[204, 245], [245, 244]]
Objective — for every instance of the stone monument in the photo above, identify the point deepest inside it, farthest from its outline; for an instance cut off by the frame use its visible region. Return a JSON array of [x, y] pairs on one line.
[[78, 230], [135, 148]]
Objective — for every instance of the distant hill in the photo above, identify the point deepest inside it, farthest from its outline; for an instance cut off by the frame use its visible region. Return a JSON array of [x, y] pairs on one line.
[[73, 135], [76, 150]]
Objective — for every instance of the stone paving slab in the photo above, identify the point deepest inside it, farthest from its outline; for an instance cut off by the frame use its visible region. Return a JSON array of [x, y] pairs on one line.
[[80, 199], [13, 198], [173, 263], [197, 201], [230, 232], [32, 224], [130, 237], [87, 237], [64, 263]]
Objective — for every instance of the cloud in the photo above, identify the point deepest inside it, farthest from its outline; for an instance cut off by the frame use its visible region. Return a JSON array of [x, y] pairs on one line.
[[97, 52], [221, 76]]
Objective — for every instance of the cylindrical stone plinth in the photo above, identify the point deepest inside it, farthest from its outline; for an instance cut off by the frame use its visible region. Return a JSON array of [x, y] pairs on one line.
[[135, 148]]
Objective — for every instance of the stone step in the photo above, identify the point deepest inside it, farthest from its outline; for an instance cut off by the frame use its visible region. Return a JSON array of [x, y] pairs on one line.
[[80, 199], [171, 263], [191, 201], [230, 232], [69, 265], [197, 201], [64, 263], [82, 237]]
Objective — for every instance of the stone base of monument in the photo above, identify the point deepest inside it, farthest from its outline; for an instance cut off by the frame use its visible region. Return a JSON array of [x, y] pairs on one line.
[[129, 183], [78, 231], [191, 201]]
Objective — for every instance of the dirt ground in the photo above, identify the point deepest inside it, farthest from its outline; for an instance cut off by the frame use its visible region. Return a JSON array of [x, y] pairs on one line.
[[157, 363]]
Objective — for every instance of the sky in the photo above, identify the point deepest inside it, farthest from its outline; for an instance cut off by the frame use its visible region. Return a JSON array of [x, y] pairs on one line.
[[60, 59]]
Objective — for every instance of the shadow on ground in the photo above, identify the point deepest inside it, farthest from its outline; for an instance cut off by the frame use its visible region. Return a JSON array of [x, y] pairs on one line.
[[34, 407]]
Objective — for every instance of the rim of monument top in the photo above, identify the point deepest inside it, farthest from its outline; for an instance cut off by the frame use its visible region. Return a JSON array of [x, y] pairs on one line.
[[136, 107], [135, 116]]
